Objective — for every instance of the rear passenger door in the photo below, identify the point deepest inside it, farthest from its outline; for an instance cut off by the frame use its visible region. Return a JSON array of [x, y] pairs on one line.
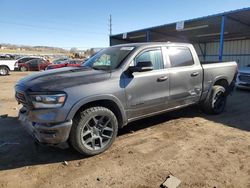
[[185, 76], [42, 64], [33, 65], [147, 92]]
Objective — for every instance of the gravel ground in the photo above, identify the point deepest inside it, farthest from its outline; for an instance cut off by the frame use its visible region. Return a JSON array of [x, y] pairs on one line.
[[200, 150]]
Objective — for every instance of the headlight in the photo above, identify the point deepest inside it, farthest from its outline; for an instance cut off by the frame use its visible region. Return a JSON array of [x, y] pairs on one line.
[[48, 101]]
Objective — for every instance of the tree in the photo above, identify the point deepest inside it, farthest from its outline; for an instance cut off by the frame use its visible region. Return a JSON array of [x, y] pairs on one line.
[[73, 50]]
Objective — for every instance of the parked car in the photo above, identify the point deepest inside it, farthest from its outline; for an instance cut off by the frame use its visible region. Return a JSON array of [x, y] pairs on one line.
[[243, 78], [67, 63], [6, 66], [22, 61], [7, 63], [36, 64], [86, 105]]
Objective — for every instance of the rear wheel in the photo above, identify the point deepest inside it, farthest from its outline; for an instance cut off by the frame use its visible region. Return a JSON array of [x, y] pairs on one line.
[[23, 68], [216, 101], [4, 70], [94, 130]]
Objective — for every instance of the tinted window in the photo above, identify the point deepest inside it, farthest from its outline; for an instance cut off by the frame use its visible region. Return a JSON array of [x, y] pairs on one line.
[[180, 56], [41, 61], [33, 62], [155, 56], [23, 60]]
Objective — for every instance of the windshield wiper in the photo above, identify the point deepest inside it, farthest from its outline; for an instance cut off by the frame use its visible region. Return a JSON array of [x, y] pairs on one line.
[[103, 68], [96, 68]]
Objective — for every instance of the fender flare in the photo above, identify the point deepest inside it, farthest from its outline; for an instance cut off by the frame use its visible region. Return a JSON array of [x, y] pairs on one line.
[[220, 78], [94, 98], [2, 65], [212, 84]]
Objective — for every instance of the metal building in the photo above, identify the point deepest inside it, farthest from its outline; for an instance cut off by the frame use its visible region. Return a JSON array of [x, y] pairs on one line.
[[219, 37]]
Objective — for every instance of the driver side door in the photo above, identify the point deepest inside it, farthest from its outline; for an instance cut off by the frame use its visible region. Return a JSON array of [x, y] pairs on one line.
[[147, 92]]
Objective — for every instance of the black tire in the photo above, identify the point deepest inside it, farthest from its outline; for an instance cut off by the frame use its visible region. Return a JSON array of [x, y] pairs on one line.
[[23, 68], [4, 70], [90, 125], [216, 101]]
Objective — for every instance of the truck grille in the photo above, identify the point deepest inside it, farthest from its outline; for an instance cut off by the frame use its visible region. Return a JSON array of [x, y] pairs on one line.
[[20, 97], [244, 78]]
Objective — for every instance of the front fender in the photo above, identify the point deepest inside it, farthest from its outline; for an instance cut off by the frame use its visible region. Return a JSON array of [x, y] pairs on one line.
[[94, 98]]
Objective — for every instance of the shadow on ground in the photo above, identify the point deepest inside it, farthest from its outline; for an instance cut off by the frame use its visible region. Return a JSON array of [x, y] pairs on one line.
[[17, 149]]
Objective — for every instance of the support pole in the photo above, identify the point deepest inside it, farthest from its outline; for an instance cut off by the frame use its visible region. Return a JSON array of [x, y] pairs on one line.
[[110, 25], [205, 51], [148, 36], [222, 37], [202, 52]]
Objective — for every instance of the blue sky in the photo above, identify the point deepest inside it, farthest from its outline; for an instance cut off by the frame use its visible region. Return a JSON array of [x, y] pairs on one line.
[[84, 23]]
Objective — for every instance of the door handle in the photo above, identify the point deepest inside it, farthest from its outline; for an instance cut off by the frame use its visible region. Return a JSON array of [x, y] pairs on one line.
[[161, 79], [195, 74]]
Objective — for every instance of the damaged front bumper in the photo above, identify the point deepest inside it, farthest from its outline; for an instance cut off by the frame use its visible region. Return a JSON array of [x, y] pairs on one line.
[[46, 133]]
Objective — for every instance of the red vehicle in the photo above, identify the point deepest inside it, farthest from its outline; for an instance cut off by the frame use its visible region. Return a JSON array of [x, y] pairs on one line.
[[36, 64], [67, 63]]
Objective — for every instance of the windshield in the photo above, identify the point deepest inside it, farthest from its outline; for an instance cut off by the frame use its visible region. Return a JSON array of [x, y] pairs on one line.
[[109, 58], [59, 62]]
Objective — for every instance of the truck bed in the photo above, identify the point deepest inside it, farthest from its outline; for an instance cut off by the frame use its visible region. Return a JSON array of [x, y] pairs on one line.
[[215, 71]]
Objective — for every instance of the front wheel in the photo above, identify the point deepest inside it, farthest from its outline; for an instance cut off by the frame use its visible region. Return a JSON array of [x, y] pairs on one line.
[[23, 68], [4, 71], [94, 130], [216, 101]]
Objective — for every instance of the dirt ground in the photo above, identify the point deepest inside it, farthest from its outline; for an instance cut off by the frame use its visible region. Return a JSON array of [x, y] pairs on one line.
[[200, 150]]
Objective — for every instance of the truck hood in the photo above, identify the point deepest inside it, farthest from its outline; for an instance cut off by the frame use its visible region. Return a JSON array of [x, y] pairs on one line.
[[58, 79], [244, 70]]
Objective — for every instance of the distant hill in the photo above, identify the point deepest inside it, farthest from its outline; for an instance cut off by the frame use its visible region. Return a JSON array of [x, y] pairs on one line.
[[6, 48], [25, 48]]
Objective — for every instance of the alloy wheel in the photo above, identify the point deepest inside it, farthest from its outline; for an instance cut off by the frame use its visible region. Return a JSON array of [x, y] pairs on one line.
[[219, 101], [97, 132], [3, 71]]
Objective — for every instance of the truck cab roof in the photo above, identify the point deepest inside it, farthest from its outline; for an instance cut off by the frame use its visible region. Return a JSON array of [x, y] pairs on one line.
[[145, 44]]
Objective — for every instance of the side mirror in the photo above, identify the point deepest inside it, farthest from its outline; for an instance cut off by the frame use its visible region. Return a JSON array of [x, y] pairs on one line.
[[142, 66]]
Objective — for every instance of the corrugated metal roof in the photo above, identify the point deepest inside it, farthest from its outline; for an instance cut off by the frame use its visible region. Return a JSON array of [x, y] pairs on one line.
[[203, 29]]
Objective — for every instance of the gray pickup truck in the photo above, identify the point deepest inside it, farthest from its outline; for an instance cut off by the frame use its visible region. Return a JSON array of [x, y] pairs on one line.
[[85, 106]]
